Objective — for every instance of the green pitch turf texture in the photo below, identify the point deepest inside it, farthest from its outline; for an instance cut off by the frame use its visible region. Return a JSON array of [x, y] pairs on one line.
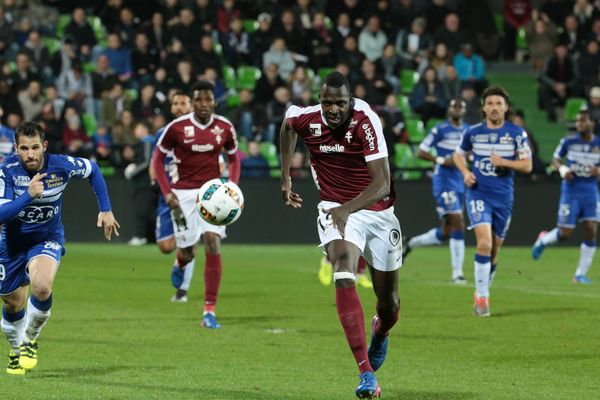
[[114, 334]]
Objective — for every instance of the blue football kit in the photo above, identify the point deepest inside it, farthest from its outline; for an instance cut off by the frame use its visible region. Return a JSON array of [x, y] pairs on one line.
[[33, 227], [490, 200], [447, 182], [164, 221], [579, 197]]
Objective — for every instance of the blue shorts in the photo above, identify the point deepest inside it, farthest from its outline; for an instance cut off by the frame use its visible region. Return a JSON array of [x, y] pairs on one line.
[[164, 223], [13, 266], [482, 210], [578, 206], [448, 198]]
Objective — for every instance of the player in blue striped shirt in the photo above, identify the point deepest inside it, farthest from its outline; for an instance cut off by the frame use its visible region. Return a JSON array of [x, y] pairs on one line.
[[32, 239], [448, 188], [499, 148], [579, 197]]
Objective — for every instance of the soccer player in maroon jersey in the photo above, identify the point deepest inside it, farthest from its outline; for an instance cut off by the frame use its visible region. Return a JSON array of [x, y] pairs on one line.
[[196, 140], [349, 161]]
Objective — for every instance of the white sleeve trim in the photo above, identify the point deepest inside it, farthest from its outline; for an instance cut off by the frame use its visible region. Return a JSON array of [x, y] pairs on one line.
[[459, 150], [377, 156], [88, 168], [4, 201]]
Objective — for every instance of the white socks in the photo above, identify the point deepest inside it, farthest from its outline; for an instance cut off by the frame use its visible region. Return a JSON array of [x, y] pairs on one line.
[[457, 256], [586, 255], [13, 329], [429, 238], [188, 272], [483, 266], [36, 319], [551, 237]]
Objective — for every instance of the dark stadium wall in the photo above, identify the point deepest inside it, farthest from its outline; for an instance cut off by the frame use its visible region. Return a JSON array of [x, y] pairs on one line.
[[267, 220]]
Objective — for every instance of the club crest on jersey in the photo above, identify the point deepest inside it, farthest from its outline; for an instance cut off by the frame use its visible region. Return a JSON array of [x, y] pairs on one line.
[[506, 139], [315, 129], [493, 137], [188, 131], [217, 131], [218, 139], [348, 136]]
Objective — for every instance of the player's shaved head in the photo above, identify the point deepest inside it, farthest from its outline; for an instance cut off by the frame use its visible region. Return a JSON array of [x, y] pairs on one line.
[[335, 98], [336, 79], [29, 129], [203, 100]]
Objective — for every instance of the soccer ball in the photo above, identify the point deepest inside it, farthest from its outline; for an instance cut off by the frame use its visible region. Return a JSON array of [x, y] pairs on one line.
[[220, 202]]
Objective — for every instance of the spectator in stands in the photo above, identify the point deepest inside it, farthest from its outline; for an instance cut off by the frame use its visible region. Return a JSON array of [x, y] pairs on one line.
[[439, 60], [7, 139], [31, 100], [122, 132], [220, 91], [280, 55], [51, 122], [391, 65], [594, 34], [435, 15], [119, 58], [292, 33], [185, 77], [23, 74], [275, 112], [589, 66], [187, 31], [110, 14], [321, 40], [451, 34], [206, 15], [556, 10], [81, 32], [128, 27], [351, 56], [428, 99], [102, 80], [8, 99], [517, 14], [58, 103], [255, 165], [144, 59], [412, 45], [394, 119], [298, 167], [268, 82], [354, 8], [39, 56], [158, 36], [372, 39], [67, 54], [175, 53], [75, 140], [470, 68], [298, 82], [305, 12], [137, 172], [225, 13], [451, 83], [102, 143], [248, 117], [7, 45], [207, 57], [342, 30], [586, 13], [22, 31], [376, 86], [388, 19], [261, 39], [478, 20], [558, 81], [76, 86], [406, 12], [539, 166], [147, 104], [571, 35], [593, 106], [541, 37], [469, 95], [236, 44], [114, 103]]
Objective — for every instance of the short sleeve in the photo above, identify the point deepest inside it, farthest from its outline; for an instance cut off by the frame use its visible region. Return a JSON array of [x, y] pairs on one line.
[[430, 140], [523, 150], [166, 142], [370, 132], [77, 167], [466, 144], [231, 144], [561, 149], [6, 187]]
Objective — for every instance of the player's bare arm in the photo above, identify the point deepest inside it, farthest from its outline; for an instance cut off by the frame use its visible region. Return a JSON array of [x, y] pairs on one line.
[[107, 221], [288, 140], [379, 188], [524, 166], [445, 161], [461, 164]]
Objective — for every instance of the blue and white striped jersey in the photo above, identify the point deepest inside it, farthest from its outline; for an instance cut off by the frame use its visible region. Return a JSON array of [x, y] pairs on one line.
[[40, 218], [581, 156], [509, 142], [445, 138]]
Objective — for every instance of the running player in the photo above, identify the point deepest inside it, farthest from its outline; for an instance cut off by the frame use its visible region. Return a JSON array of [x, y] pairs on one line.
[[356, 214], [196, 140], [499, 149], [165, 238], [579, 198], [32, 241], [448, 189]]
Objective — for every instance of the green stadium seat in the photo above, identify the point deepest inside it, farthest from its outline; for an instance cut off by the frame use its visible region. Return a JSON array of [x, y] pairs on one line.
[[243, 145], [415, 129], [63, 21], [89, 123], [408, 80], [250, 25], [521, 41], [269, 151], [132, 94], [233, 100], [89, 67], [229, 77], [323, 72], [52, 44], [405, 158], [248, 76], [573, 106], [98, 28], [433, 122], [219, 49], [499, 22], [404, 105]]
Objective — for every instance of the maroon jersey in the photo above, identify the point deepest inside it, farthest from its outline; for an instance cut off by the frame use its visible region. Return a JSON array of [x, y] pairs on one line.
[[339, 157], [196, 148]]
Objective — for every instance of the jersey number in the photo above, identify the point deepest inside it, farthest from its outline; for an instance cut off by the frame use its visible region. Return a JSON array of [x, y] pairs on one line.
[[477, 206], [449, 197], [2, 272]]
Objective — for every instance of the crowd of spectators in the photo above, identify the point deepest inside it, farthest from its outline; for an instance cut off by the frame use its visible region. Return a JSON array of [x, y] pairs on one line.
[[91, 71]]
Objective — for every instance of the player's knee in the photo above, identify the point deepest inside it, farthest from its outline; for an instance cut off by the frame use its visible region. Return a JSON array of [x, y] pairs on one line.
[[41, 291], [484, 247], [167, 246]]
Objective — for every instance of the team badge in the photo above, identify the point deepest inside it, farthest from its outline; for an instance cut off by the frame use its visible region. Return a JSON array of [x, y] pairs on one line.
[[476, 216], [218, 139], [493, 137], [506, 139], [348, 136], [188, 131], [315, 129], [395, 237], [217, 131]]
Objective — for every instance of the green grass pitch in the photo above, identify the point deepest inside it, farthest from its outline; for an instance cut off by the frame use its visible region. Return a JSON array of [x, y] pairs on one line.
[[115, 335]]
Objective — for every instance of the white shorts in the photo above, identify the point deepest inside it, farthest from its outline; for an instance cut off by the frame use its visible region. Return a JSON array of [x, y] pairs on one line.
[[188, 234], [376, 233]]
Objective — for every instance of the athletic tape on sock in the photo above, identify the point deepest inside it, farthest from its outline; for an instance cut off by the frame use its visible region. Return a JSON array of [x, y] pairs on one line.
[[343, 275]]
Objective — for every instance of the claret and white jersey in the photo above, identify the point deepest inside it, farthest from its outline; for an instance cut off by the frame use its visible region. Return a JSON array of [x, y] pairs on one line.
[[339, 156], [196, 148]]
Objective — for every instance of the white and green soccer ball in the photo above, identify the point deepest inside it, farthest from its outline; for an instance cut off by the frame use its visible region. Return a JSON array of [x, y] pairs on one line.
[[220, 201]]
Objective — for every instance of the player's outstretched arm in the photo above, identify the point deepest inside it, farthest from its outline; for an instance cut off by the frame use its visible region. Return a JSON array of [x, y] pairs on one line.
[[107, 220], [287, 140]]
